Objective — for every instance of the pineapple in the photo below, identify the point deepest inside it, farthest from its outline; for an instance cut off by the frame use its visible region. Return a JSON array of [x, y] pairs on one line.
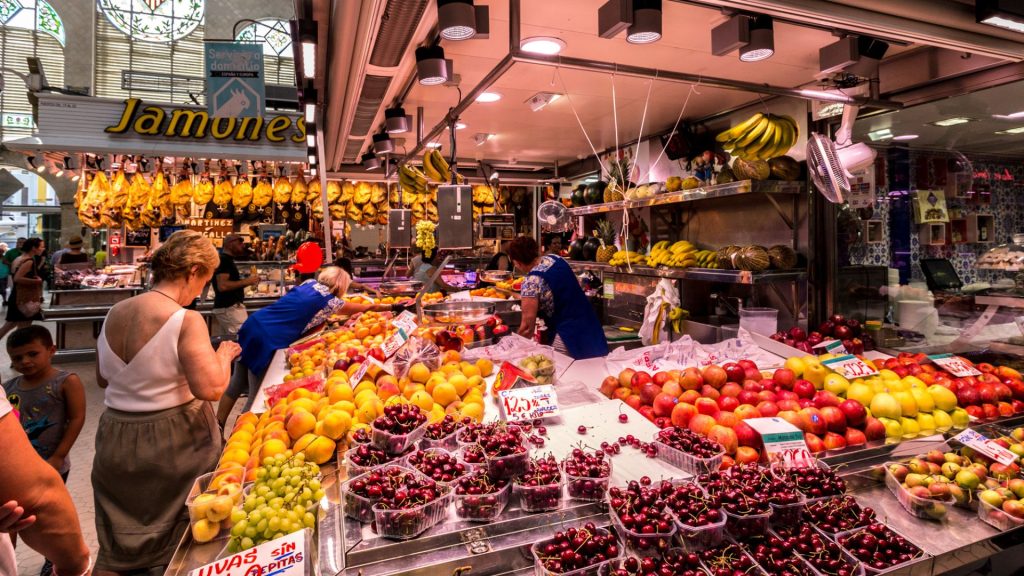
[[606, 233], [618, 182]]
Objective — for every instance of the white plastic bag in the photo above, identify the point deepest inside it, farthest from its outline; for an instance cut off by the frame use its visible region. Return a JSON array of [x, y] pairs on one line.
[[663, 299], [688, 352], [513, 348]]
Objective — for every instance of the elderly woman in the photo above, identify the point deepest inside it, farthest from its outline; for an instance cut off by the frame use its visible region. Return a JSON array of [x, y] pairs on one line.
[[552, 292], [269, 329], [158, 432]]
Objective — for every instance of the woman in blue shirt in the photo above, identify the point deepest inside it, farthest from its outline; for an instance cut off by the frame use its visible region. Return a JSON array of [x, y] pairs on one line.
[[552, 292], [269, 329]]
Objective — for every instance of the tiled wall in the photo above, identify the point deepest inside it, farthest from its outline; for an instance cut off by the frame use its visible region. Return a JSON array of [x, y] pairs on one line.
[[1007, 205]]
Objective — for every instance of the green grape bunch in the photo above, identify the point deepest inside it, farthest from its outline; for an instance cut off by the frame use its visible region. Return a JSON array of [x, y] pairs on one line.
[[284, 498], [425, 236]]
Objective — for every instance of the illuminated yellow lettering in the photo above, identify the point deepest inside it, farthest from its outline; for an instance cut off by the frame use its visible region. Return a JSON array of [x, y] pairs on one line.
[[190, 117], [221, 134], [149, 121], [126, 117], [254, 134], [277, 124], [300, 130]]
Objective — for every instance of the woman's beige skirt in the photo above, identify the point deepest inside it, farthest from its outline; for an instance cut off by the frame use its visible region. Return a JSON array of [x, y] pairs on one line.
[[144, 468]]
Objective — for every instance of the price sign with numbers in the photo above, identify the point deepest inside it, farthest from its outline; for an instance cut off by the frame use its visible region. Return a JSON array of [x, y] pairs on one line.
[[528, 402], [850, 367], [783, 443], [955, 365], [989, 448], [832, 347]]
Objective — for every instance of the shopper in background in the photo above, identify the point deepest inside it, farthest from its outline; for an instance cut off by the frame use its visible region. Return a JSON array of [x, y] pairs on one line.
[[269, 329], [158, 432], [229, 288], [552, 292], [49, 522], [50, 403], [27, 292], [5, 272], [13, 253], [501, 261], [346, 265], [73, 254], [426, 269], [101, 256], [554, 245]]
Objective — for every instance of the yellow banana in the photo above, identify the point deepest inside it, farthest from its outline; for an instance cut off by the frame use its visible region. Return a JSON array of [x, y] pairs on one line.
[[754, 133], [736, 131], [429, 169]]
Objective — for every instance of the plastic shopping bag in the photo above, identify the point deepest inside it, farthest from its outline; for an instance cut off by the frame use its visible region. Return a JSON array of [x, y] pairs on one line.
[[663, 299]]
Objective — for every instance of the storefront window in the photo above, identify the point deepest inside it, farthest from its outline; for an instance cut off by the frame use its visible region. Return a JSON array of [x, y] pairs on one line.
[[28, 28], [154, 20]]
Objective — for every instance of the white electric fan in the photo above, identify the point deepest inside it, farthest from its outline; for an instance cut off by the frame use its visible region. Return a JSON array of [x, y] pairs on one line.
[[554, 217], [831, 163]]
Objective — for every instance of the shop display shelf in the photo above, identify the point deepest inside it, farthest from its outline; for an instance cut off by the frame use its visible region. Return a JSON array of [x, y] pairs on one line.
[[925, 508], [697, 538], [697, 274], [467, 509], [737, 188], [997, 518]]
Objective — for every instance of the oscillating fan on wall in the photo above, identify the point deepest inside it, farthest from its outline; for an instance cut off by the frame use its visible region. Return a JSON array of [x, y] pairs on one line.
[[831, 163], [554, 217]]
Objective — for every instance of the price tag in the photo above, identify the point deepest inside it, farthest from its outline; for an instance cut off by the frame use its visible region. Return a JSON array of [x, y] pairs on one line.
[[850, 367], [358, 376], [783, 443], [955, 365], [285, 556], [528, 402], [609, 290], [831, 347], [406, 321], [987, 447]]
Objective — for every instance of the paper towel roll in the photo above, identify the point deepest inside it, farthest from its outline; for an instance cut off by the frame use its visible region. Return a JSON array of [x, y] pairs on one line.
[[919, 316]]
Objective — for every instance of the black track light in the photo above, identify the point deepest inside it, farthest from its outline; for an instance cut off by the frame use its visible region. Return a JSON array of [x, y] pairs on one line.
[[382, 143], [370, 161], [640, 19], [396, 121], [431, 65]]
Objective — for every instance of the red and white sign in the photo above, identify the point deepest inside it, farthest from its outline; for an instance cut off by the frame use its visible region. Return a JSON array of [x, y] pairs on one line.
[[982, 444], [285, 556], [528, 402], [783, 443], [850, 367], [955, 365]]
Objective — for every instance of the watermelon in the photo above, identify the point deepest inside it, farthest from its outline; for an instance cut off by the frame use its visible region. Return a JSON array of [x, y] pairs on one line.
[[784, 168], [590, 248], [578, 196], [751, 169], [576, 249], [595, 192]]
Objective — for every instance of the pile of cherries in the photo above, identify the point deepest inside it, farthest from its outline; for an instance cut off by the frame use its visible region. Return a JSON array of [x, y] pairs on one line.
[[650, 449], [640, 509], [367, 456], [815, 482], [472, 454], [371, 488], [444, 428], [504, 451], [777, 558], [879, 547], [675, 562], [836, 515], [541, 487], [438, 465], [361, 436], [692, 507], [728, 559], [578, 548], [820, 552], [400, 419], [408, 490], [479, 497], [688, 441], [588, 474]]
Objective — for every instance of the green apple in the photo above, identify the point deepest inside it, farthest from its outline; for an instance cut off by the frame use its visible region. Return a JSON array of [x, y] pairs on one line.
[[950, 470], [860, 392], [911, 429], [836, 384], [961, 419], [926, 422], [796, 365], [908, 406], [1017, 449], [893, 430], [914, 479], [942, 420], [967, 479], [1016, 485], [922, 399], [943, 398], [885, 406]]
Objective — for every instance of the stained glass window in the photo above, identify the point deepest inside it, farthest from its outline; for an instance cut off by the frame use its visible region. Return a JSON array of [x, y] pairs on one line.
[[32, 15], [153, 20], [274, 34]]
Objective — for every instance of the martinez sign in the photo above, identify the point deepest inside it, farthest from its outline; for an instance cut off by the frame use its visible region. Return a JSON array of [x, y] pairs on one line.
[[185, 123]]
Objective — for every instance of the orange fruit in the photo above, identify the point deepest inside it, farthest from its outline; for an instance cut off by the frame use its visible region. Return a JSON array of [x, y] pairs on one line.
[[445, 393]]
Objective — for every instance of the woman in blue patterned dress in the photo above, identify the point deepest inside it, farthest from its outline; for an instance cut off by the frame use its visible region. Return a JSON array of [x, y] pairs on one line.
[[551, 291]]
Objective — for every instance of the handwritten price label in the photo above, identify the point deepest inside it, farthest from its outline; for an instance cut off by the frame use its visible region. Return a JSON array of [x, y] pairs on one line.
[[285, 556], [528, 403], [832, 347], [645, 362], [850, 367], [406, 321], [783, 443], [955, 365], [358, 376], [981, 443]]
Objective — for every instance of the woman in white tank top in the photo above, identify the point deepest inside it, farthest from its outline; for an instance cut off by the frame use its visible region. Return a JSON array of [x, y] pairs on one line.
[[158, 432]]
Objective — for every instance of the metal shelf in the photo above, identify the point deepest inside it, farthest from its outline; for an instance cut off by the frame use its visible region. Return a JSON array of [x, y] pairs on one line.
[[738, 188], [697, 274]]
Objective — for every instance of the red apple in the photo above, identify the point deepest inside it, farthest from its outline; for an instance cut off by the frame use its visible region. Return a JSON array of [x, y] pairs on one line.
[[975, 410], [988, 378], [744, 411], [689, 396], [692, 379], [710, 392], [608, 386], [746, 363], [626, 376], [842, 332], [647, 412], [634, 401], [702, 423], [806, 403], [813, 421], [990, 410], [731, 389], [664, 404], [791, 417], [733, 372], [788, 405], [672, 387], [873, 428], [751, 373], [746, 435], [855, 437], [747, 455], [967, 395], [707, 406], [768, 409], [814, 443], [724, 436], [621, 393], [714, 376], [834, 441], [728, 403], [823, 398], [804, 389], [749, 397], [1004, 409], [787, 395], [1018, 405], [854, 412], [682, 413], [661, 377], [785, 378], [753, 385], [835, 421], [649, 391], [767, 396], [986, 393], [727, 419], [639, 380]]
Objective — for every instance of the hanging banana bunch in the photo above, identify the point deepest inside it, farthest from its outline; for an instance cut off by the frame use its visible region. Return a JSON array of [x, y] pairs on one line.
[[203, 192], [223, 192], [282, 190], [241, 195], [299, 190]]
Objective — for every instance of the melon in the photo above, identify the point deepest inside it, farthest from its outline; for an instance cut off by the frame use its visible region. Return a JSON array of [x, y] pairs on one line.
[[724, 256], [751, 169], [595, 192], [590, 248], [576, 249], [578, 196], [782, 257], [753, 258], [784, 168]]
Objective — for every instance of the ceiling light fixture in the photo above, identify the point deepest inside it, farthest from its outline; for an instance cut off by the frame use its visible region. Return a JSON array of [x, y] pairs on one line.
[[857, 55], [481, 138], [1018, 130], [311, 140], [431, 65], [882, 134], [396, 121], [312, 159], [488, 97], [542, 99], [460, 125], [1012, 116], [370, 161], [433, 144], [308, 59], [905, 137], [640, 19], [544, 45], [952, 121], [1006, 14], [310, 116], [382, 143], [460, 20], [824, 95], [762, 40]]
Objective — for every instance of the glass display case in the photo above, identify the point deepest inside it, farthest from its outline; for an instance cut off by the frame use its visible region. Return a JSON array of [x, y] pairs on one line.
[[276, 278]]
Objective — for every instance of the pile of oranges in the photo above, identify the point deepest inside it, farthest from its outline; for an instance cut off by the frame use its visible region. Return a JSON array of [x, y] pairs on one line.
[[488, 293]]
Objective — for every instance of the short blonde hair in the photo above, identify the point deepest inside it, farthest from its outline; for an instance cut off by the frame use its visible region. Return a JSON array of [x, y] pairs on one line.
[[336, 279], [183, 250]]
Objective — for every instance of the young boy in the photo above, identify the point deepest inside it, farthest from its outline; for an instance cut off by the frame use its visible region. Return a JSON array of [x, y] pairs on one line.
[[51, 402]]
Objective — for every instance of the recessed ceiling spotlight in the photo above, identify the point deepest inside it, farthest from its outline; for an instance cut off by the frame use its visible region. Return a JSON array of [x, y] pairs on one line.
[[545, 45], [905, 137], [486, 97], [1007, 14], [952, 121], [542, 99], [762, 40], [882, 134], [433, 144], [481, 137], [1018, 130], [460, 126]]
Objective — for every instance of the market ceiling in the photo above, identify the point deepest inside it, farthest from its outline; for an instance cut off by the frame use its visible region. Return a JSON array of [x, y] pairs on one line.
[[372, 67]]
